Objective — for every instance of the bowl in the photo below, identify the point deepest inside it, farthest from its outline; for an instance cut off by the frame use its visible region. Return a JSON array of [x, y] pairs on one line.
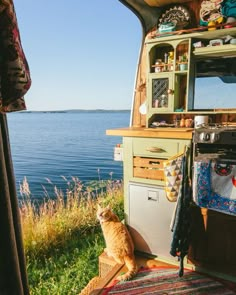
[[233, 41]]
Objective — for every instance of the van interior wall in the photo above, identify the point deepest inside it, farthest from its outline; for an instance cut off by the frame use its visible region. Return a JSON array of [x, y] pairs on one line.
[[149, 17]]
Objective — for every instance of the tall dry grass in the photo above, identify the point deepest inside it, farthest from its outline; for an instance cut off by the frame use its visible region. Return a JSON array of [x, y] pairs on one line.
[[53, 221]]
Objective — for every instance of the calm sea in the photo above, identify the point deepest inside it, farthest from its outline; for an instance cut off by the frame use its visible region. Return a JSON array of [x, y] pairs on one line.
[[54, 145]]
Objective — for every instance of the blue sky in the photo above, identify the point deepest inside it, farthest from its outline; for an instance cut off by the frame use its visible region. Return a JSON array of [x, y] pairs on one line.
[[82, 54]]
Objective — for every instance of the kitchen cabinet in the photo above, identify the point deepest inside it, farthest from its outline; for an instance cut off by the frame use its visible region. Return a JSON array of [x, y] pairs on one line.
[[167, 76], [143, 157], [213, 241]]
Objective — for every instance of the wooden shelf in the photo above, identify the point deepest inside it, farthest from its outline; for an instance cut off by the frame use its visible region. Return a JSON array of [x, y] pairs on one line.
[[162, 65], [201, 34], [227, 49]]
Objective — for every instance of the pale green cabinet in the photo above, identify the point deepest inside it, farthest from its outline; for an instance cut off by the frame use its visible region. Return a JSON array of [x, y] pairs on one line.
[[148, 212], [168, 74], [143, 160]]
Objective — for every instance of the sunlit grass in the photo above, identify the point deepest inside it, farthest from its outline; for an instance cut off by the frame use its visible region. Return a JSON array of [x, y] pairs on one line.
[[62, 237]]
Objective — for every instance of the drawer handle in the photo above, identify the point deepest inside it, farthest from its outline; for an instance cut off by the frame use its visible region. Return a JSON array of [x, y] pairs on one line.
[[154, 162], [152, 199], [155, 150]]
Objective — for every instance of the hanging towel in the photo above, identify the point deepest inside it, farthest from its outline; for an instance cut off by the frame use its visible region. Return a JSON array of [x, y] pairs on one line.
[[173, 176]]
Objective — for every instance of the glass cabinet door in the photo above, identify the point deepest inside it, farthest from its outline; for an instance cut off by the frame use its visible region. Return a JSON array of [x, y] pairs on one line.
[[161, 88]]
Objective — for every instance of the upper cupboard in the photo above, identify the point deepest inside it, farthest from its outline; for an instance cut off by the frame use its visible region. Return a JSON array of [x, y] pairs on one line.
[[191, 73]]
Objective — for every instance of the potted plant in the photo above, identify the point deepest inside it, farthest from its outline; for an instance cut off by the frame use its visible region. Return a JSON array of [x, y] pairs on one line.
[[183, 62]]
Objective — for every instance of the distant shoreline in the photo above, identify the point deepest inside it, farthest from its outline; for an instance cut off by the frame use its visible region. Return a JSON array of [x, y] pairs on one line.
[[77, 111]]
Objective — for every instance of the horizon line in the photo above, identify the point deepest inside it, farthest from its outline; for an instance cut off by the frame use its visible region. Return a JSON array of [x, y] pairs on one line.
[[74, 110]]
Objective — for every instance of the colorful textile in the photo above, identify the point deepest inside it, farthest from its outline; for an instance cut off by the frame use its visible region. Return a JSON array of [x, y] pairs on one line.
[[14, 71], [210, 10], [173, 176], [164, 280], [215, 186]]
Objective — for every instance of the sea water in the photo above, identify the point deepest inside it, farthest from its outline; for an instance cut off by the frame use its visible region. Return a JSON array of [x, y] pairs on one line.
[[49, 148]]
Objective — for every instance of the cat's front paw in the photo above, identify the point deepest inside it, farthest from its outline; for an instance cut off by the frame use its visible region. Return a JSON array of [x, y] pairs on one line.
[[107, 252], [122, 277], [127, 276]]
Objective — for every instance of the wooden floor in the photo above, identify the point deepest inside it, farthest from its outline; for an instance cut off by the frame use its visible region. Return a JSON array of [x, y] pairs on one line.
[[107, 275]]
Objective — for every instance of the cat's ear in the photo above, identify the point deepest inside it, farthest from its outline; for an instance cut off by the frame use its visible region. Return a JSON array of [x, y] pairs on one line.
[[98, 206], [108, 207]]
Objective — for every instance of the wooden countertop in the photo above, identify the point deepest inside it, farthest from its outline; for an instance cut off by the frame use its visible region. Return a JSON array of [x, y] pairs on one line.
[[164, 132]]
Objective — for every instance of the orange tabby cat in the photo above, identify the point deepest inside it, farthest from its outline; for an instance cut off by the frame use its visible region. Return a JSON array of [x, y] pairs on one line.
[[119, 244]]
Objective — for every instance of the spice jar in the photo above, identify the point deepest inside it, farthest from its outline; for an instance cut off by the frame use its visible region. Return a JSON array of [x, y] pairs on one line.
[[158, 66], [170, 60], [163, 101], [182, 123], [166, 61], [156, 103], [188, 123]]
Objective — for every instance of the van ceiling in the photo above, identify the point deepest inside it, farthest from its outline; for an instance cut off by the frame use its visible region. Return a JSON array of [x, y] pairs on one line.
[[147, 15]]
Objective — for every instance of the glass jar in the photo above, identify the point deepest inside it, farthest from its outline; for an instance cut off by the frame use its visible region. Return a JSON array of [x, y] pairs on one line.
[[158, 66], [163, 101], [171, 61]]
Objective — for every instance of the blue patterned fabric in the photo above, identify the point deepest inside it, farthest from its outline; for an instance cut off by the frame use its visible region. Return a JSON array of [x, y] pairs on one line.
[[204, 196]]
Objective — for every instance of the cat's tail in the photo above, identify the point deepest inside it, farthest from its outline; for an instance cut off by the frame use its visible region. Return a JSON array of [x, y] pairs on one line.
[[132, 268]]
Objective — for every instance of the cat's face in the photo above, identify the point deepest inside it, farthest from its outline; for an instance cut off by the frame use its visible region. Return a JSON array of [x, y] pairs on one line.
[[103, 214]]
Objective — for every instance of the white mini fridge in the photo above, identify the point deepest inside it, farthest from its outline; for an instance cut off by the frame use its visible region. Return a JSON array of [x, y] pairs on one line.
[[149, 219]]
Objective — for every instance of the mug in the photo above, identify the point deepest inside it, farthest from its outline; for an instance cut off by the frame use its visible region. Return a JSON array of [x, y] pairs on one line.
[[200, 121]]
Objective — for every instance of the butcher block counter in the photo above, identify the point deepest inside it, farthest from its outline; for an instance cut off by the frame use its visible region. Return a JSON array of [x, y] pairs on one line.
[[163, 132]]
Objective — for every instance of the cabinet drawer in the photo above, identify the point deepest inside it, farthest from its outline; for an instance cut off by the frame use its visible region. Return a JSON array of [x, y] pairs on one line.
[[155, 147], [150, 168]]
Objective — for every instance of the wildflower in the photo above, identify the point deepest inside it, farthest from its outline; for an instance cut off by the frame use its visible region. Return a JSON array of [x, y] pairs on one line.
[[24, 188]]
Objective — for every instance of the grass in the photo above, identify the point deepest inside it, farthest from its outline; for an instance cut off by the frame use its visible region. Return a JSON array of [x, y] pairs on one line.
[[68, 269], [62, 237]]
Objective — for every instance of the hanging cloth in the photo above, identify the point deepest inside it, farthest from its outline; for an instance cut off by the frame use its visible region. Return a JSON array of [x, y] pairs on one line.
[[13, 276], [214, 184], [182, 217], [14, 70], [14, 83]]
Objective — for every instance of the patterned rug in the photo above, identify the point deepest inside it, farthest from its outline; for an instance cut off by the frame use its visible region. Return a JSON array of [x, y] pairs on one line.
[[166, 281]]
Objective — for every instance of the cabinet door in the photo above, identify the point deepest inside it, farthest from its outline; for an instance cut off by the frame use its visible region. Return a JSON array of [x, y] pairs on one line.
[[213, 242], [149, 219], [161, 92]]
